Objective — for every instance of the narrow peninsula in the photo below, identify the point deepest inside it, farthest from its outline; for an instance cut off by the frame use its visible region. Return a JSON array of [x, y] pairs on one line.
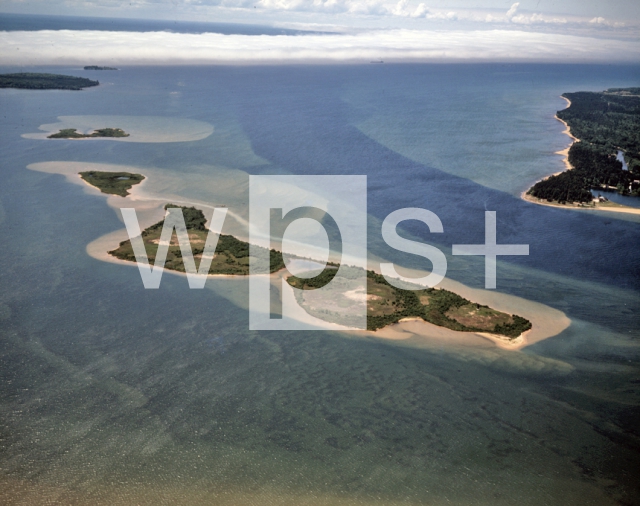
[[386, 304], [34, 81], [72, 133], [113, 183], [606, 153]]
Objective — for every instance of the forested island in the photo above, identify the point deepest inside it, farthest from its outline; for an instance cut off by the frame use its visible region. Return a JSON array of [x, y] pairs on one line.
[[96, 67], [232, 255], [35, 81], [604, 123], [114, 183], [385, 304], [72, 133]]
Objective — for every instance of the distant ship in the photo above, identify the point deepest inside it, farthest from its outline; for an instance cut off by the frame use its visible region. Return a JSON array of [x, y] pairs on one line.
[[380, 61]]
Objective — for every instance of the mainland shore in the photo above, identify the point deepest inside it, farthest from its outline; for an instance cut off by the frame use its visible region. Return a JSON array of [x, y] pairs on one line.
[[601, 206]]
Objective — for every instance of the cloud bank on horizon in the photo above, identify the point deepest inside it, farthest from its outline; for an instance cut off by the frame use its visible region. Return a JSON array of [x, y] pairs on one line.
[[391, 30], [78, 47], [594, 13]]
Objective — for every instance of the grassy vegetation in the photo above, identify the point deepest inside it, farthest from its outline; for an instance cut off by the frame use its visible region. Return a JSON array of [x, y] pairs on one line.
[[605, 123], [385, 304], [232, 255], [34, 81], [72, 133], [114, 183]]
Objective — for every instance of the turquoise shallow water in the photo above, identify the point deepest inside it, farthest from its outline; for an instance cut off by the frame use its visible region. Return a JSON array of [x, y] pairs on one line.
[[116, 395]]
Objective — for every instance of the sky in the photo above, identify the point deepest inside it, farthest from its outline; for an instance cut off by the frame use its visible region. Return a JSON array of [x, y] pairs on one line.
[[357, 30]]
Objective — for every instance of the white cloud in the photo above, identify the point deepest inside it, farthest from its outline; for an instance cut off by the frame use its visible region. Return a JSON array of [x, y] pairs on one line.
[[535, 18], [512, 11], [605, 22], [80, 47], [420, 11], [378, 7], [450, 16]]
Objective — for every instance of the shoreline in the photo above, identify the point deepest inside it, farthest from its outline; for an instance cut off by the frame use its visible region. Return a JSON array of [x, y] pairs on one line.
[[615, 208], [574, 139], [565, 154]]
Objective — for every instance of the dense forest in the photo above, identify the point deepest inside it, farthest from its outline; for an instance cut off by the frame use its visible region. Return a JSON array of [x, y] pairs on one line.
[[114, 183], [33, 81], [604, 122]]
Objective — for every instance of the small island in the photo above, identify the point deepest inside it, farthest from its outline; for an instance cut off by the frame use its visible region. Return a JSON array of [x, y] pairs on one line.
[[606, 153], [386, 304], [231, 258], [114, 183], [96, 67], [72, 133], [35, 81]]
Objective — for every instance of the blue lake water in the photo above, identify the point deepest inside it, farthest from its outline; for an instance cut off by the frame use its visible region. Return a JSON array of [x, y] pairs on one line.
[[112, 394]]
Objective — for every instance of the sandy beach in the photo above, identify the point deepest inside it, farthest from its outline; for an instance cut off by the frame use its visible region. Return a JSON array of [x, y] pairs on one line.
[[566, 131], [611, 207]]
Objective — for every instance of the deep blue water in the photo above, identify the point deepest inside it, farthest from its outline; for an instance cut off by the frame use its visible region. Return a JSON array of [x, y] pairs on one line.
[[104, 382]]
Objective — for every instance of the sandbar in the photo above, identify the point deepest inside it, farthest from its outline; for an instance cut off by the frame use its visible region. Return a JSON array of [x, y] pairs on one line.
[[139, 128], [546, 321]]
